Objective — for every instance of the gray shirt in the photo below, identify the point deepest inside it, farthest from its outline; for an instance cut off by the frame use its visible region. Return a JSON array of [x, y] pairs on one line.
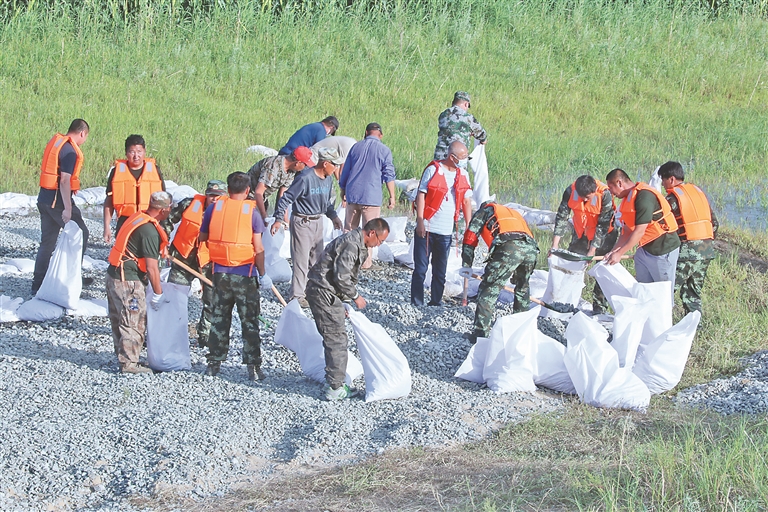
[[309, 194], [338, 266]]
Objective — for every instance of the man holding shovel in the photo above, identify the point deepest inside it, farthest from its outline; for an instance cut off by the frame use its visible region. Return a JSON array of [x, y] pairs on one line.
[[593, 217], [512, 251]]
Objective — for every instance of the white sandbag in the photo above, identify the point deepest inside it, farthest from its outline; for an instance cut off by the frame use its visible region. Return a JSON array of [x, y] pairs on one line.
[[261, 150], [277, 267], [507, 364], [661, 364], [564, 284], [660, 294], [8, 269], [582, 327], [179, 192], [8, 308], [25, 265], [329, 232], [397, 227], [167, 331], [90, 307], [478, 162], [383, 253], [92, 195], [63, 281], [538, 283], [614, 280], [409, 187], [93, 264], [403, 257], [655, 181], [13, 202], [548, 364], [472, 367], [541, 219], [454, 283], [628, 324], [387, 374], [296, 332], [37, 310]]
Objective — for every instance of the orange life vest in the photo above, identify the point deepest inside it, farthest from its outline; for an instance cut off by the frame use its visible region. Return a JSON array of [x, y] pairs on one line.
[[437, 188], [120, 253], [695, 219], [49, 178], [230, 233], [656, 228], [586, 213], [186, 236], [130, 195], [504, 220]]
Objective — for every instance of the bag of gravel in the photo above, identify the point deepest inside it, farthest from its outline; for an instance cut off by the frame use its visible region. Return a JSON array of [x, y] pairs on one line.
[[548, 364], [386, 370], [25, 265], [660, 365], [37, 310], [614, 280], [88, 308], [167, 331], [508, 360], [397, 229], [63, 282], [472, 367], [8, 269], [660, 294], [277, 267], [296, 332], [564, 285], [8, 308], [628, 324]]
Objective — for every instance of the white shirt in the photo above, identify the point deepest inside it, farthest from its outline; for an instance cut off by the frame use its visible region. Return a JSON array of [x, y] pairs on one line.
[[442, 222]]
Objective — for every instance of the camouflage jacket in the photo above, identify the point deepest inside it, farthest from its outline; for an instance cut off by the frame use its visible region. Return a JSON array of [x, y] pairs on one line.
[[455, 123], [604, 220], [271, 172], [483, 216], [339, 265]]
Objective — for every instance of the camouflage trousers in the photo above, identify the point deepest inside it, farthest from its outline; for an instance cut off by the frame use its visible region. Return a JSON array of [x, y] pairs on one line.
[[515, 258], [180, 276], [329, 314], [689, 279], [232, 290], [581, 246], [127, 301]]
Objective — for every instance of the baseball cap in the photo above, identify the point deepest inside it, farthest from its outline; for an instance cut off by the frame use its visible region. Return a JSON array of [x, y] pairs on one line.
[[373, 126], [461, 95], [160, 200], [329, 155], [216, 188], [304, 154]]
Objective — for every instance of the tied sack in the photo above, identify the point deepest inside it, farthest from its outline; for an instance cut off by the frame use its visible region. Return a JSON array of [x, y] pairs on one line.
[[564, 283], [167, 332], [63, 282], [508, 366], [614, 280], [277, 267], [387, 374]]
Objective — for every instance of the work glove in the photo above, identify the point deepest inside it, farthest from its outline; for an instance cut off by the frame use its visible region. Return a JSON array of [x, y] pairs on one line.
[[465, 272], [265, 282], [157, 301]]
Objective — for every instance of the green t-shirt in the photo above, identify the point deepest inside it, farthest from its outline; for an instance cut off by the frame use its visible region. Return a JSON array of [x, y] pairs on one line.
[[645, 206], [143, 243]]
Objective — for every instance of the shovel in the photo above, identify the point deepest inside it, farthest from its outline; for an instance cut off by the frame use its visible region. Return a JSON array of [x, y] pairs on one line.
[[559, 308], [572, 256]]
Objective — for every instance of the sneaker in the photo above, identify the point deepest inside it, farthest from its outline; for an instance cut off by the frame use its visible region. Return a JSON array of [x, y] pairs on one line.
[[213, 368], [303, 302], [134, 368], [339, 394], [87, 281], [255, 374]]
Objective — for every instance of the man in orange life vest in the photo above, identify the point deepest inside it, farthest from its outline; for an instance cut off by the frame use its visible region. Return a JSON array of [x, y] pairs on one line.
[[647, 220], [130, 182], [133, 261], [593, 216], [444, 193], [697, 229], [59, 180], [512, 251], [187, 248], [232, 226]]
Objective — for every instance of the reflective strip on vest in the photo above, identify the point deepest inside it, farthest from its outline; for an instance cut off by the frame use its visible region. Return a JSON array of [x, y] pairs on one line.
[[130, 195], [230, 233], [695, 218]]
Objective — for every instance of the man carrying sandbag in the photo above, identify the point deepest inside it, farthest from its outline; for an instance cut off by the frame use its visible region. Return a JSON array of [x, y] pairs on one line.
[[697, 229], [333, 280], [593, 216], [133, 261], [189, 250], [512, 251]]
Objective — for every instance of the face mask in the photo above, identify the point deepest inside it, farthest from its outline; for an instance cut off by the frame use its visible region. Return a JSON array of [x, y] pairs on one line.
[[463, 164]]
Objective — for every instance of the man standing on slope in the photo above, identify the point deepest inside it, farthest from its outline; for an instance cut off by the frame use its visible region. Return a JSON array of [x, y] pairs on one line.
[[697, 229], [444, 192], [59, 180], [310, 134], [456, 124]]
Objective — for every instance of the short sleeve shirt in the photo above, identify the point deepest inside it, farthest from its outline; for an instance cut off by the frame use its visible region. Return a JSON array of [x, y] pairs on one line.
[[646, 206], [271, 172], [144, 242], [442, 222], [257, 224]]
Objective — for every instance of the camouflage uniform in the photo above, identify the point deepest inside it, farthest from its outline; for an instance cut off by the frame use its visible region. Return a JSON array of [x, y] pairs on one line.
[[455, 123], [128, 318], [510, 255], [692, 263], [231, 290], [271, 172], [603, 241]]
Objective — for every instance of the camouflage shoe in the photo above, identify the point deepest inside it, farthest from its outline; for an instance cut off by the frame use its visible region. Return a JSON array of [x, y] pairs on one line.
[[255, 374], [213, 368]]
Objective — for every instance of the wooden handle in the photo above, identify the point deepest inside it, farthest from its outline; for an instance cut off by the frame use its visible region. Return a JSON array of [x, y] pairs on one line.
[[279, 297], [466, 290], [192, 271], [598, 258]]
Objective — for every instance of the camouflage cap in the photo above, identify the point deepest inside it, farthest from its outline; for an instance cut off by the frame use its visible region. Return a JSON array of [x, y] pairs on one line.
[[160, 200], [461, 96], [329, 155], [216, 188]]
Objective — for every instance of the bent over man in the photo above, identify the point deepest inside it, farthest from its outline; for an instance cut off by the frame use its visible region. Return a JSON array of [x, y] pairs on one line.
[[512, 251], [332, 280], [697, 229], [133, 261], [275, 174]]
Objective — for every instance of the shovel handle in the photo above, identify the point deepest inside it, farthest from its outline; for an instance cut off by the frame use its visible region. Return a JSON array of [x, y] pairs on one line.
[[192, 271], [598, 258], [466, 290], [279, 297]]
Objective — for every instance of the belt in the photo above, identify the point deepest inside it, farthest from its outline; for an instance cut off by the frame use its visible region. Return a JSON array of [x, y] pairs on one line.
[[307, 217]]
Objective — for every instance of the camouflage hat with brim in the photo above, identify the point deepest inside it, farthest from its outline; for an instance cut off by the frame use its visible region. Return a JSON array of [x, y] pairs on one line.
[[216, 188], [160, 200], [329, 155], [461, 96]]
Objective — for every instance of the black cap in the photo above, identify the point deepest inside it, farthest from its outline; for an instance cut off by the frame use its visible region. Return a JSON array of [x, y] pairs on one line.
[[373, 126]]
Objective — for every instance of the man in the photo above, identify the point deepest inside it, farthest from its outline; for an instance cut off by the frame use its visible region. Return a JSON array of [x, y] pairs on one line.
[[646, 220], [130, 182], [697, 229], [444, 192], [512, 252], [368, 165], [333, 280], [59, 181], [187, 248], [276, 173], [310, 195], [232, 226], [133, 261], [456, 124], [310, 134], [340, 143], [593, 216]]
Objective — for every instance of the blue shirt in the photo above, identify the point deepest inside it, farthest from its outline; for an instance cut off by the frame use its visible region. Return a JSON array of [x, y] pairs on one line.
[[368, 165], [308, 135], [257, 224]]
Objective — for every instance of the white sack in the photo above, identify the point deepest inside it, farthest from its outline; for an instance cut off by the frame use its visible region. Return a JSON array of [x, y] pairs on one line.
[[408, 187], [8, 308], [655, 181], [660, 294], [90, 307], [296, 332], [383, 253], [92, 264], [542, 219], [628, 324], [13, 202], [167, 331], [63, 281], [403, 257], [548, 364], [661, 364], [261, 150], [472, 367], [8, 269], [507, 363], [582, 327], [479, 164], [564, 284], [285, 248], [538, 283], [329, 232], [37, 310], [454, 283], [25, 265], [92, 195], [387, 374], [614, 280], [179, 192], [277, 267], [397, 227]]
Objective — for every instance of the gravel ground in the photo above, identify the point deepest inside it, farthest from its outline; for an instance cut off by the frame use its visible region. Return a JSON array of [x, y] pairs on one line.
[[79, 435]]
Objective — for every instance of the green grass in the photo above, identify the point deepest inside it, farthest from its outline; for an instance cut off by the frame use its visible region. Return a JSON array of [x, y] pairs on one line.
[[562, 88]]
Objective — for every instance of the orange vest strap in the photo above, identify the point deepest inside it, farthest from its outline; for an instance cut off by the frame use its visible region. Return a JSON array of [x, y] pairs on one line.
[[695, 219]]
